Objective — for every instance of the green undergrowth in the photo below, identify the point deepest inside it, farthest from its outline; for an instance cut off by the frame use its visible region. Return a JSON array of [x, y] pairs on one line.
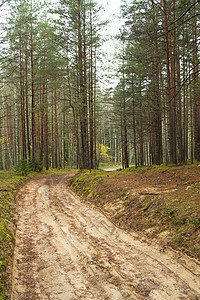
[[9, 182], [161, 202], [86, 182], [8, 185]]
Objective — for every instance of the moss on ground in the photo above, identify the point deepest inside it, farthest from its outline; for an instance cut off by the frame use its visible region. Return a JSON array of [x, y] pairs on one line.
[[8, 185], [151, 200]]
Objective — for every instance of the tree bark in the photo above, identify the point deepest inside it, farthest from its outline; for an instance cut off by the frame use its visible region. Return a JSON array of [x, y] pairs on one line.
[[33, 100], [171, 125], [91, 104], [82, 96], [196, 91], [141, 127], [134, 126], [27, 106], [157, 123]]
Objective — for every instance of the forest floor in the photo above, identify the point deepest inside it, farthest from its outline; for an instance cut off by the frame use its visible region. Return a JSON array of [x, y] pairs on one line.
[[161, 203], [67, 249]]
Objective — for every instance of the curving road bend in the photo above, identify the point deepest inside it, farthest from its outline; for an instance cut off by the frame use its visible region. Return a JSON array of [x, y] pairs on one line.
[[67, 250]]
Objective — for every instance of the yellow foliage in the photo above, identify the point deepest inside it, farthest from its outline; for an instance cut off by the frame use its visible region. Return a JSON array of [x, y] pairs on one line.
[[104, 156], [4, 139]]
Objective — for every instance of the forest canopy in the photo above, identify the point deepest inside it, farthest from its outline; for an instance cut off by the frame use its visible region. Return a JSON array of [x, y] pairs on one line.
[[55, 113]]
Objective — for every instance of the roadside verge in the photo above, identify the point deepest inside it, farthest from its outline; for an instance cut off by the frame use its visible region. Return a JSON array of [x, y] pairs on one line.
[[160, 203]]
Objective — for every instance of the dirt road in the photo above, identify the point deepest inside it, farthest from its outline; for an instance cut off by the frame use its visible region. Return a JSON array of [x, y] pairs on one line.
[[68, 250]]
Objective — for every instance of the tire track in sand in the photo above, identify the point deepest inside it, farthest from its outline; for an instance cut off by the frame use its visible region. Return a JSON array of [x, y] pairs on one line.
[[66, 249]]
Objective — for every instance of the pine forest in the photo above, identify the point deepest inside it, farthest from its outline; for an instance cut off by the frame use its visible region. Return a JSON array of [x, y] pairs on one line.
[[55, 111]]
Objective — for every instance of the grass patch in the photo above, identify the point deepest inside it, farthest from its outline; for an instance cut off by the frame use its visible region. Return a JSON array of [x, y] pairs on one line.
[[8, 185]]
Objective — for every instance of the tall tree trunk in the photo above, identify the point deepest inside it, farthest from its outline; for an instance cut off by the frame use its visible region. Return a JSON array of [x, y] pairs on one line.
[[186, 124], [64, 132], [27, 106], [95, 131], [56, 130], [83, 96], [179, 113], [191, 126], [46, 131], [45, 111], [157, 123], [185, 101], [91, 105], [33, 100], [10, 163], [174, 96], [42, 124], [124, 124], [171, 125], [141, 127], [23, 129], [1, 139], [196, 91], [122, 144], [75, 121], [52, 132], [134, 125]]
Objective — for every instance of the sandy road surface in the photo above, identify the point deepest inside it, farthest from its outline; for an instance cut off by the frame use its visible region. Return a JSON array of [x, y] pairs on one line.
[[68, 250]]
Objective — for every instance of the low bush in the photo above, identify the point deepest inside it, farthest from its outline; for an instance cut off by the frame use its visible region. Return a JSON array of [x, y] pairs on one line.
[[23, 168]]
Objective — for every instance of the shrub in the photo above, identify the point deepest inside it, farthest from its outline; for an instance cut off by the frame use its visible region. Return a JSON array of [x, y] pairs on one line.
[[38, 166], [23, 167]]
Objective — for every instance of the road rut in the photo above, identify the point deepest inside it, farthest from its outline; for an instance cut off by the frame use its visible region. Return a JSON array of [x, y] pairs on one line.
[[66, 249]]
